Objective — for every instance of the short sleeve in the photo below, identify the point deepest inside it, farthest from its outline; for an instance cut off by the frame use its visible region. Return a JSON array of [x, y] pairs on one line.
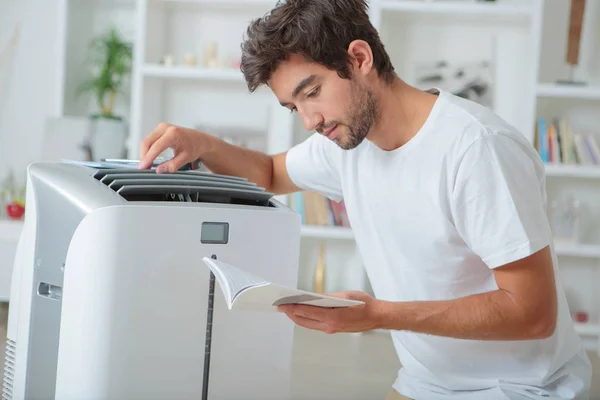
[[498, 200], [312, 166]]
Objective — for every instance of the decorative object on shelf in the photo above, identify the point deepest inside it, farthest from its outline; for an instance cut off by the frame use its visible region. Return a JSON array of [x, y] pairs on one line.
[[317, 210], [565, 218], [558, 143], [574, 41], [190, 60], [167, 60], [320, 271], [211, 55], [111, 58], [581, 316], [12, 198], [471, 80]]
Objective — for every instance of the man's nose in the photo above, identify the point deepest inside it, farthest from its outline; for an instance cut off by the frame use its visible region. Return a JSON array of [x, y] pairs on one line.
[[311, 121]]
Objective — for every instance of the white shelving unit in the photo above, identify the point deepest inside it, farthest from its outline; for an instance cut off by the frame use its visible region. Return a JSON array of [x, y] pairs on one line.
[[480, 9], [525, 39], [504, 33], [586, 329], [10, 230], [327, 232], [578, 250], [197, 95], [206, 74], [573, 171], [568, 92], [579, 262]]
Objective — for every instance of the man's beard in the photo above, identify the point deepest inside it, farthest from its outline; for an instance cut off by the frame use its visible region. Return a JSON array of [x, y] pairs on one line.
[[362, 115]]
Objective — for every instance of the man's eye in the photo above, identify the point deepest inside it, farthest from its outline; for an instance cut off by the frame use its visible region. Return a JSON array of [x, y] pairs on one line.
[[313, 92]]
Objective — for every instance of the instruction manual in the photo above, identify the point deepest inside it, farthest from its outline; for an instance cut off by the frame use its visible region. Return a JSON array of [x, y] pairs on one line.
[[243, 290]]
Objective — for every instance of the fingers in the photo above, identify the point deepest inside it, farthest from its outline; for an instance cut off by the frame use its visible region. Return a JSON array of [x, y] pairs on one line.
[[163, 142], [173, 164], [352, 295], [147, 142], [340, 295], [160, 145], [309, 323], [310, 312]]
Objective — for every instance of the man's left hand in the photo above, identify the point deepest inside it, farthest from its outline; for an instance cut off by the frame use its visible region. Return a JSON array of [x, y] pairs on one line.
[[358, 318]]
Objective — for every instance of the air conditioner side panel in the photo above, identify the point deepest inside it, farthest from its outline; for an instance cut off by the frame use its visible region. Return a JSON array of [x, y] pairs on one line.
[[135, 297]]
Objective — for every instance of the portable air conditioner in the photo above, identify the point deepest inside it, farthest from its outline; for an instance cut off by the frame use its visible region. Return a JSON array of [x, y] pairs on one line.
[[110, 298]]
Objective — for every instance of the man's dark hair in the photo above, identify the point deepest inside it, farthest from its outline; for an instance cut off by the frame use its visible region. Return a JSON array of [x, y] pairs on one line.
[[318, 30]]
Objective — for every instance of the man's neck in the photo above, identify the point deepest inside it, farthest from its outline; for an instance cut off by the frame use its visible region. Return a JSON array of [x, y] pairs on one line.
[[403, 110]]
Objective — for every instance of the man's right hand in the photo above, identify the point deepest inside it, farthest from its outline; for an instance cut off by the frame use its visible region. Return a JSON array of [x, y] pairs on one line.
[[187, 144]]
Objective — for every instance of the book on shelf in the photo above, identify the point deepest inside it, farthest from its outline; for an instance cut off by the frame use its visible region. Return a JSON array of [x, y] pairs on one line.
[[243, 290], [316, 209], [558, 143]]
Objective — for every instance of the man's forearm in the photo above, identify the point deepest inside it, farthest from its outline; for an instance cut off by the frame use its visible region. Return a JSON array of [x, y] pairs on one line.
[[223, 158], [488, 316]]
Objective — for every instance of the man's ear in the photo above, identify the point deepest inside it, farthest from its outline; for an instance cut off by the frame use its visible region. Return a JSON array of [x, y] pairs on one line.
[[361, 56]]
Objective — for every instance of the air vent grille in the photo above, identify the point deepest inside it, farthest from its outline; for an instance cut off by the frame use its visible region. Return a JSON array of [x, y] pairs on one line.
[[182, 186], [9, 370]]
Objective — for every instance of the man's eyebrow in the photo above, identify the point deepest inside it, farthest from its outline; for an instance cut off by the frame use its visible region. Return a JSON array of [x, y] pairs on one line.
[[303, 83]]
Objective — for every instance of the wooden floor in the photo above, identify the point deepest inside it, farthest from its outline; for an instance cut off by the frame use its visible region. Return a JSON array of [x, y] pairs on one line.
[[343, 366], [351, 367]]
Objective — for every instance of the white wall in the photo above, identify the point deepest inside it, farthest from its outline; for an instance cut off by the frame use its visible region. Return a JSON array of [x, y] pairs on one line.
[[30, 84]]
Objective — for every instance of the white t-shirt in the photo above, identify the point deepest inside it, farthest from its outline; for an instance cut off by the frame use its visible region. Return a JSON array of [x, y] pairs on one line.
[[431, 220]]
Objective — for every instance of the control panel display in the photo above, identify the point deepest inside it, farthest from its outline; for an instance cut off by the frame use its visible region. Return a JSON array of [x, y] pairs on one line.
[[215, 233]]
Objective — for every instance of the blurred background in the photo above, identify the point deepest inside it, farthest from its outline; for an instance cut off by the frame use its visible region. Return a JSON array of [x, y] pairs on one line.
[[88, 79]]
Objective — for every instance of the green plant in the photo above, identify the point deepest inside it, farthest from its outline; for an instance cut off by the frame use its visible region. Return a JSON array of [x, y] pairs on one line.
[[111, 59]]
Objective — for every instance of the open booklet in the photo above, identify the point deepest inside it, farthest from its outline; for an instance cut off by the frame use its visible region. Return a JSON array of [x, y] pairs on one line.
[[243, 290]]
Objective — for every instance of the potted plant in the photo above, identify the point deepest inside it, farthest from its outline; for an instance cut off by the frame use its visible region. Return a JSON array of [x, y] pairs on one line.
[[111, 58]]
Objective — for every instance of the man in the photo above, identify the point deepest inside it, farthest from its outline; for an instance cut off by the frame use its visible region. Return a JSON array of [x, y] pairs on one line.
[[446, 200]]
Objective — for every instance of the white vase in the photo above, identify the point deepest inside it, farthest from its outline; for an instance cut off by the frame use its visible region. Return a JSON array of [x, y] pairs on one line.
[[107, 138]]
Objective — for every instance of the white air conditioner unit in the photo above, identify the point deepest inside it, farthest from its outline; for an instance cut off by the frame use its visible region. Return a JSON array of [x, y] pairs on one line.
[[110, 296]]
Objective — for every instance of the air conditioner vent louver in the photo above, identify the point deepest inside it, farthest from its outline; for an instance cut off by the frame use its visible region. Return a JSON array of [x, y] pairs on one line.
[[182, 186], [9, 370]]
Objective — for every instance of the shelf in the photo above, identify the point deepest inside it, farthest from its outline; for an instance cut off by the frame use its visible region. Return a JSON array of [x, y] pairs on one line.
[[237, 4], [566, 91], [587, 329], [573, 171], [577, 250], [182, 72], [326, 232], [10, 230], [457, 7]]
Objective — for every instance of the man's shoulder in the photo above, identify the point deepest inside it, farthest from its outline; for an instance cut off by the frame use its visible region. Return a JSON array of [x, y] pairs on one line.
[[473, 131], [476, 122]]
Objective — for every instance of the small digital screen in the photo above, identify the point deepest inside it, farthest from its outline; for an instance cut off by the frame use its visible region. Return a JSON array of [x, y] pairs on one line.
[[215, 233]]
